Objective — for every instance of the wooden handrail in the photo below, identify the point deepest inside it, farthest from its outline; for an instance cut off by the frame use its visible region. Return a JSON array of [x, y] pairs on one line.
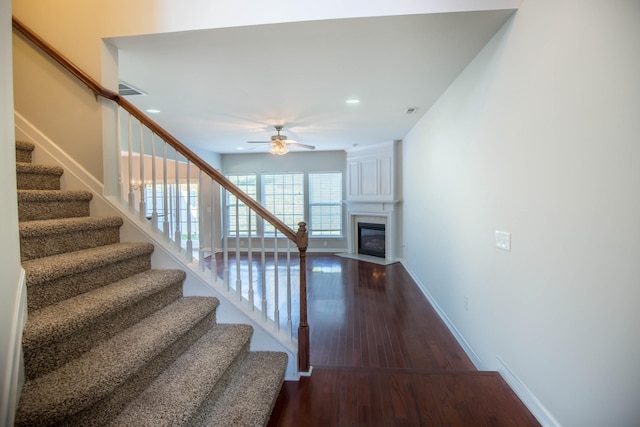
[[300, 238], [101, 91]]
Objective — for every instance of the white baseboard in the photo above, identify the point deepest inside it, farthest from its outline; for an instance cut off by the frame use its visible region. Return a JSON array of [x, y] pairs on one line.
[[14, 370], [475, 359], [526, 396]]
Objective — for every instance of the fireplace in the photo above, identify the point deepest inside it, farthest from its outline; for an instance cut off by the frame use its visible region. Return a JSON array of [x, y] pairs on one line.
[[371, 239]]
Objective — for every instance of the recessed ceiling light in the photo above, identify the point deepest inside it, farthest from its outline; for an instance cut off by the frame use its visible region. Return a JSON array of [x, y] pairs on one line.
[[352, 101], [239, 148], [152, 111]]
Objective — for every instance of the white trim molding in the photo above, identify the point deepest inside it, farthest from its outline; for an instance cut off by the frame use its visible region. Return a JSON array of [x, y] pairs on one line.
[[526, 396], [14, 371]]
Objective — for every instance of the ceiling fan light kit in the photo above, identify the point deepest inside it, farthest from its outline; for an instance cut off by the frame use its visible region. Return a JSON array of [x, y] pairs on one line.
[[280, 144], [278, 147]]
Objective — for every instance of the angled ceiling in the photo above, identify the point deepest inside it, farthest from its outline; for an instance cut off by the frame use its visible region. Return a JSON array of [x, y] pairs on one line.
[[217, 89]]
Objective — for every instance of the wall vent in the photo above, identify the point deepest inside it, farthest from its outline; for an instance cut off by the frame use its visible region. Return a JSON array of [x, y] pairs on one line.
[[126, 89]]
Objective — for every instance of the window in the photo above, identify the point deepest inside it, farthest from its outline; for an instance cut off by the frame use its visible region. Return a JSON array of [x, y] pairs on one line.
[[238, 212], [325, 204], [283, 195], [315, 198]]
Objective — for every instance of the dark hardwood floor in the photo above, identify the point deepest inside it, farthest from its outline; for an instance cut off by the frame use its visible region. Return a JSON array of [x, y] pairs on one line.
[[381, 356]]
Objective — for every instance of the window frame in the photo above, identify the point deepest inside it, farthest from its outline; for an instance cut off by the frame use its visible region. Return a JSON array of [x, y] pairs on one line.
[[268, 229], [260, 228]]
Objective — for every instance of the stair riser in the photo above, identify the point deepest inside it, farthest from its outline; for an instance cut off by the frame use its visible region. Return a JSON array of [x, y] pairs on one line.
[[101, 412], [56, 290], [219, 388], [23, 155], [31, 211], [259, 382], [53, 244], [32, 181], [40, 360]]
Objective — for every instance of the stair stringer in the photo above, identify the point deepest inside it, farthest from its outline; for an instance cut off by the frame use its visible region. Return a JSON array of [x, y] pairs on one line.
[[165, 256]]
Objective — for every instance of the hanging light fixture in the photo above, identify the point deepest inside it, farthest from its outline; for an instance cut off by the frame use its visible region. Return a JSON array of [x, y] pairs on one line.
[[278, 147]]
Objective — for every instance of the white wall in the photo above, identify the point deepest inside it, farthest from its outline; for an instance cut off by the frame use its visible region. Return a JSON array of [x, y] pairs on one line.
[[539, 137], [11, 276], [304, 161]]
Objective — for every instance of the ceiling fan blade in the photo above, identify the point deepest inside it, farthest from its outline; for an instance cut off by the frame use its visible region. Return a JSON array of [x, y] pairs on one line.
[[258, 142], [297, 144]]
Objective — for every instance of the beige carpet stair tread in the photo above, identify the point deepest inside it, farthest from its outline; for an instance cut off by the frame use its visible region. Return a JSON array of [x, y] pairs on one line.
[[25, 145], [47, 237], [249, 399], [46, 227], [54, 322], [49, 204], [23, 151], [84, 381], [48, 196], [44, 269], [176, 395], [38, 169]]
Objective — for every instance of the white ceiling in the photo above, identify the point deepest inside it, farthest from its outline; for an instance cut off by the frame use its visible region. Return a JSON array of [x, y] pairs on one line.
[[217, 89]]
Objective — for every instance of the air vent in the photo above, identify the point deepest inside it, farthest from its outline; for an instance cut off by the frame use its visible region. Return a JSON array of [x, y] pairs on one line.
[[125, 89], [412, 110]]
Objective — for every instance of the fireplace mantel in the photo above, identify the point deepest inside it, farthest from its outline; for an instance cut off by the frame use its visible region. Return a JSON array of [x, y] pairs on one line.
[[378, 212], [380, 205]]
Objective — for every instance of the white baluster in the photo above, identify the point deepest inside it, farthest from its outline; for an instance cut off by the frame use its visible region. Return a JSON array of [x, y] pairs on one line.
[[225, 244], [276, 285], [120, 188], [132, 196], [238, 278], [212, 231], [289, 321], [177, 236], [250, 261], [165, 193], [154, 186], [263, 266], [143, 202], [201, 243], [189, 254]]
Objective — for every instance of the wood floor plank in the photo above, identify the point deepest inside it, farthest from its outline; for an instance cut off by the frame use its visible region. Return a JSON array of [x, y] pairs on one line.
[[387, 398], [382, 356]]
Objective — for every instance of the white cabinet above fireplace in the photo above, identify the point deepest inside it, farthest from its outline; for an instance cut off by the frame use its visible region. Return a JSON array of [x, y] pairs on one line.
[[370, 173]]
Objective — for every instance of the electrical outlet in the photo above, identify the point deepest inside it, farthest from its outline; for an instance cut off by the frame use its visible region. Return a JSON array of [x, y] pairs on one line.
[[503, 240]]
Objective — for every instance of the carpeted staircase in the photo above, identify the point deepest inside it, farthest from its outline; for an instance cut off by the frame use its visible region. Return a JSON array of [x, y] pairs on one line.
[[110, 341]]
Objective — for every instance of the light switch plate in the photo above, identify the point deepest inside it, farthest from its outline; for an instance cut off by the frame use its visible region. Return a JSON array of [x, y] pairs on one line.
[[503, 240]]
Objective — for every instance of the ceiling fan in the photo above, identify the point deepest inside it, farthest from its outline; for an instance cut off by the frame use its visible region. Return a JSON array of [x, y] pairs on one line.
[[280, 144]]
